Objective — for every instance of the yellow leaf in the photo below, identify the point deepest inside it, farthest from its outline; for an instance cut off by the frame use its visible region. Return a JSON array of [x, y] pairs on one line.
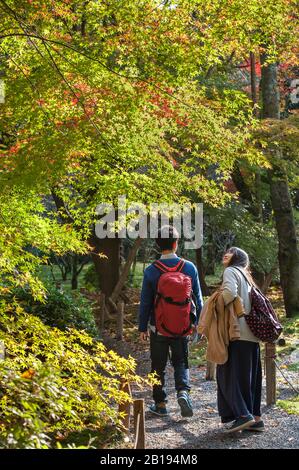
[[28, 374]]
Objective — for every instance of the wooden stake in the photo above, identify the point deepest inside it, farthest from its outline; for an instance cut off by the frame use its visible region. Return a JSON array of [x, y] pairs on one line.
[[125, 407], [211, 371], [139, 426], [270, 353]]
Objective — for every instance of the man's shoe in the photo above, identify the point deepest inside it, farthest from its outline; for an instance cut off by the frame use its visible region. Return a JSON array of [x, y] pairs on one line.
[[258, 426], [158, 410], [185, 403], [241, 423]]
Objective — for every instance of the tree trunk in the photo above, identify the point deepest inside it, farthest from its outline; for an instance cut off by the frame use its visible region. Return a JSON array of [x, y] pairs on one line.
[[267, 281], [269, 90], [258, 210], [133, 270], [201, 274], [258, 198], [107, 268], [288, 253], [74, 262], [126, 269], [241, 185], [253, 81], [211, 257], [64, 274], [210, 246], [262, 279]]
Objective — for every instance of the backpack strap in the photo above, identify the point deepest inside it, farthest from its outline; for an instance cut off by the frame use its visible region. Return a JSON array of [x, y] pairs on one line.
[[174, 335], [253, 285], [240, 271], [160, 266], [173, 302], [166, 269], [180, 265]]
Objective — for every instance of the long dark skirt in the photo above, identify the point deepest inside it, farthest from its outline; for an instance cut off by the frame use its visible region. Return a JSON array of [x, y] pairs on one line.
[[239, 382]]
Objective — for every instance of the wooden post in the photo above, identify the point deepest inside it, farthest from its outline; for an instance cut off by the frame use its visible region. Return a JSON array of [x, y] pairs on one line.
[[120, 320], [139, 426], [126, 406], [211, 371], [270, 353]]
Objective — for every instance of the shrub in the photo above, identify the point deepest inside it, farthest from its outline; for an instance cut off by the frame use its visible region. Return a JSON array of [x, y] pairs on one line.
[[291, 406], [60, 309], [54, 381], [90, 278]]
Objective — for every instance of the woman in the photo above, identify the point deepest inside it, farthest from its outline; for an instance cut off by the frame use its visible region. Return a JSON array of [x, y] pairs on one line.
[[239, 380]]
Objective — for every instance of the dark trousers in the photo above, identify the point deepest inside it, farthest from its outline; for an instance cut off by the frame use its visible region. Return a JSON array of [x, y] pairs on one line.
[[239, 382], [178, 347]]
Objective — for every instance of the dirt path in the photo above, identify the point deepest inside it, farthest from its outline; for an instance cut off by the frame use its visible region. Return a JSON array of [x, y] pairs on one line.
[[204, 430]]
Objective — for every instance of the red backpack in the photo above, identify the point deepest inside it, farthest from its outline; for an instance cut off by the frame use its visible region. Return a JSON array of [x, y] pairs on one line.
[[173, 302]]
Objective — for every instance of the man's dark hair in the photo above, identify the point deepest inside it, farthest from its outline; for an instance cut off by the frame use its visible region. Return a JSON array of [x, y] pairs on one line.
[[167, 235]]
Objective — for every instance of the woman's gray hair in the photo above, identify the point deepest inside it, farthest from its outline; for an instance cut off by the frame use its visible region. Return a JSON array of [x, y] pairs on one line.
[[239, 258]]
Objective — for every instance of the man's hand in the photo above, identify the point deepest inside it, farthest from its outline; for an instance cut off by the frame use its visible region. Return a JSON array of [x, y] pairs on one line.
[[144, 336]]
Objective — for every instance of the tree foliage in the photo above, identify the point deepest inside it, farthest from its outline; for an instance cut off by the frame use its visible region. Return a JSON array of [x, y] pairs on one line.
[[106, 99], [55, 381], [106, 104]]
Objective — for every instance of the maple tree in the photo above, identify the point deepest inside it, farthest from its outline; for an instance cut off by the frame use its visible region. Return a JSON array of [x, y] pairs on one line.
[[97, 98], [110, 98]]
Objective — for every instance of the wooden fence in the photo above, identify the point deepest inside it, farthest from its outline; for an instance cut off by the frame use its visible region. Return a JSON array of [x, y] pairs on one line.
[[138, 417], [270, 371]]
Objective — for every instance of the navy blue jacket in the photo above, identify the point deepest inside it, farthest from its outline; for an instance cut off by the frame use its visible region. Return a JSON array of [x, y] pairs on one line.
[[149, 288]]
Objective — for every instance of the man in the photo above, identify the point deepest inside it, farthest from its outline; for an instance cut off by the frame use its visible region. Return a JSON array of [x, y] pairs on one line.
[[161, 339]]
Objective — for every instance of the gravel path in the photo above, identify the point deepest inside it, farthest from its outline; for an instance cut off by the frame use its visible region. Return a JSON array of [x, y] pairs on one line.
[[204, 430]]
